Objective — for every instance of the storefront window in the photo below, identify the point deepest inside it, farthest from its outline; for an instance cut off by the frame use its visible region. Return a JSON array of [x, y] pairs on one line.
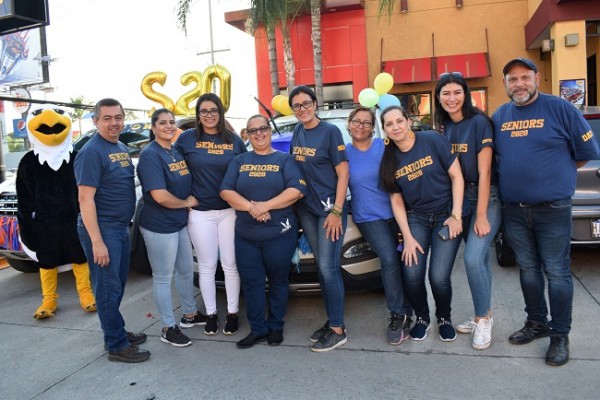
[[418, 107]]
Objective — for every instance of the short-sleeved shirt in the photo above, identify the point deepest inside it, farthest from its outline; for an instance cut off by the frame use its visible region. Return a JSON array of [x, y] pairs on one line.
[[422, 173], [369, 201], [468, 137], [208, 161], [537, 146], [260, 178], [318, 151], [158, 169], [107, 167]]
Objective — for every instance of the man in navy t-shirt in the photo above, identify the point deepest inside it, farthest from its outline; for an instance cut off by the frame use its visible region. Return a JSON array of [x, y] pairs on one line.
[[540, 142], [105, 178]]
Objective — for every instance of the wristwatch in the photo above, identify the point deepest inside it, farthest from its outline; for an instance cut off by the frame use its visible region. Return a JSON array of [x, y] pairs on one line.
[[457, 217]]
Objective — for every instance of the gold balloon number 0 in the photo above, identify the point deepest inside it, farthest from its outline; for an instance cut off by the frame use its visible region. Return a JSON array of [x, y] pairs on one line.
[[203, 84]]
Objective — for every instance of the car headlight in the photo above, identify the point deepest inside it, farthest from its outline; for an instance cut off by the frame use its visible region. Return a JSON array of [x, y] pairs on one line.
[[357, 251]]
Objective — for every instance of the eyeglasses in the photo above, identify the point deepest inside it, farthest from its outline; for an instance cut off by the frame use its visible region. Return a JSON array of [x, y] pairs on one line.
[[365, 124], [213, 112], [452, 74], [261, 129], [306, 104]]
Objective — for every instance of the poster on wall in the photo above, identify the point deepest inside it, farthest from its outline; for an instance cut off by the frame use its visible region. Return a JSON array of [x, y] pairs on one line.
[[573, 90], [20, 54]]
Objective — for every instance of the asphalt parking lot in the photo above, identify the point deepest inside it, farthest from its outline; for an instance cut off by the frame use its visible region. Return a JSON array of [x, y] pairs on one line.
[[63, 358]]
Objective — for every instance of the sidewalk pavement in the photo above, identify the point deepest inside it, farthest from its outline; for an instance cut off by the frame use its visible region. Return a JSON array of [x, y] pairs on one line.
[[63, 357]]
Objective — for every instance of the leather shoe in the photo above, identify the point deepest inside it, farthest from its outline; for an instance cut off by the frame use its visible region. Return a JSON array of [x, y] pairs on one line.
[[136, 338], [250, 341], [531, 331], [130, 354], [275, 338], [558, 352]]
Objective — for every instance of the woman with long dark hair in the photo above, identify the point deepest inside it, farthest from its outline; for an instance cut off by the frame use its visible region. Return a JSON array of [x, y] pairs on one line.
[[426, 190], [470, 132], [208, 149]]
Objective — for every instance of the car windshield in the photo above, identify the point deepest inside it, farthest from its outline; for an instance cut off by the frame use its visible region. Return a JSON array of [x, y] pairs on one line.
[[135, 135]]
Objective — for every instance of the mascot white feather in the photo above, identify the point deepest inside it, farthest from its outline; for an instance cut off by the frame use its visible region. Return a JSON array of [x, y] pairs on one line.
[[48, 206]]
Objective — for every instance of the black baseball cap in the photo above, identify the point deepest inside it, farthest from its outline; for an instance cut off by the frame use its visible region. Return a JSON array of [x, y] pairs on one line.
[[520, 60]]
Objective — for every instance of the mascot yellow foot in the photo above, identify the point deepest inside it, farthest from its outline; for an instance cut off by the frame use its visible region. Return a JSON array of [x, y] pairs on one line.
[[49, 278], [84, 288]]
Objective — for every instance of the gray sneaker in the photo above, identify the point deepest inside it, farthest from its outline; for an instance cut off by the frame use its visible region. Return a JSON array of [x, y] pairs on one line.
[[397, 329], [329, 341], [319, 332]]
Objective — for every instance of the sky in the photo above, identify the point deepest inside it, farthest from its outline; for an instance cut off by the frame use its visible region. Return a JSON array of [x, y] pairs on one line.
[[104, 48]]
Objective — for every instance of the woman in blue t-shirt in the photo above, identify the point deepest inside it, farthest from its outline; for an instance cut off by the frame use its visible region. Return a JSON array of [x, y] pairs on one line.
[[208, 150], [167, 190], [470, 132], [319, 149], [372, 213], [262, 185], [426, 190]]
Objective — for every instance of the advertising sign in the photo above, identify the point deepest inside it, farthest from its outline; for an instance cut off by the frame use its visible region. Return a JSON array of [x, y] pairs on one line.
[[573, 90], [19, 128], [20, 58]]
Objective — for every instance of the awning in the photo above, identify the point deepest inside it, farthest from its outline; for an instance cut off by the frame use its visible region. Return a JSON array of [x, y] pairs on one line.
[[475, 65]]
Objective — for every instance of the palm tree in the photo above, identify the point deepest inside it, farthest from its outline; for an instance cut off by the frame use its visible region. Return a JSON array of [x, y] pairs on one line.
[[315, 16], [260, 12], [77, 112]]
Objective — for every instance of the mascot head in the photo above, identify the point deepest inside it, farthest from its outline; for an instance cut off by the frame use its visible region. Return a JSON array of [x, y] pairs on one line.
[[50, 134]]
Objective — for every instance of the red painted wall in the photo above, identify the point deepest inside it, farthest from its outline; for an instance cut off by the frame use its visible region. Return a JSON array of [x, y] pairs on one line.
[[344, 53]]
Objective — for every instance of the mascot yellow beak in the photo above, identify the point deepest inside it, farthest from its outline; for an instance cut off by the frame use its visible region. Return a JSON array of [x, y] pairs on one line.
[[50, 127]]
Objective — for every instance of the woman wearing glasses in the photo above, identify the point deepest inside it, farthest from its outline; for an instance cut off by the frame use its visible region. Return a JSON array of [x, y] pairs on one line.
[[208, 150], [426, 190], [470, 132], [319, 149], [262, 185], [372, 213]]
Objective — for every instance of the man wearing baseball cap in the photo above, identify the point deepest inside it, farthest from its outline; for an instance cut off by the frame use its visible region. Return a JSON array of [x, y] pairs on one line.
[[540, 141]]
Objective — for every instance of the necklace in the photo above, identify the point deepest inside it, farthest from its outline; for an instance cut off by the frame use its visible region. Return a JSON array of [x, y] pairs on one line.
[[208, 137], [169, 153]]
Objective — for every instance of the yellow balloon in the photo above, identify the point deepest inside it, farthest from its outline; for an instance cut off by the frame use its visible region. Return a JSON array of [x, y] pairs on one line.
[[284, 106], [275, 102], [220, 72], [182, 106], [383, 83], [149, 80]]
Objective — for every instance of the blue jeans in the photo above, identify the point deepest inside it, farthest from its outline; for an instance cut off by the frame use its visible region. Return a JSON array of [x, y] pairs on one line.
[[477, 249], [540, 235], [327, 255], [261, 260], [382, 236], [424, 228], [109, 282], [168, 253]]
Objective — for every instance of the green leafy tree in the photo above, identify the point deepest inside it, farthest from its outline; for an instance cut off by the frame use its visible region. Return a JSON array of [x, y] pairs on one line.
[[77, 112]]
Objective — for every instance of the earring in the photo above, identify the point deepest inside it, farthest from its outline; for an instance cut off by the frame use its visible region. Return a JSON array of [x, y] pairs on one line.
[[386, 141], [411, 134]]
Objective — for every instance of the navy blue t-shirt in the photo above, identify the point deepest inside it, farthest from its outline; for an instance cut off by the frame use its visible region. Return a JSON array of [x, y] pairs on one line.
[[468, 137], [157, 169], [107, 166], [260, 178], [537, 146], [208, 161], [422, 173], [318, 151]]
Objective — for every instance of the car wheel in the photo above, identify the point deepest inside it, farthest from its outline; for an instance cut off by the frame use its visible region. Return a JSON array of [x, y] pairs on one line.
[[504, 253], [139, 257], [26, 266]]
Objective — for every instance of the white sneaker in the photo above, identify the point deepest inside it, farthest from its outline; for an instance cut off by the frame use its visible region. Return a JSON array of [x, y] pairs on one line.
[[467, 326], [482, 334]]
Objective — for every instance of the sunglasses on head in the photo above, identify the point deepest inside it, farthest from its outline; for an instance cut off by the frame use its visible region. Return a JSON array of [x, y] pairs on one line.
[[452, 74]]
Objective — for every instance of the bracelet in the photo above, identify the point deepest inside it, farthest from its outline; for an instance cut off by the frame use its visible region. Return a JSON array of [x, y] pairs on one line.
[[338, 208], [189, 203], [335, 212]]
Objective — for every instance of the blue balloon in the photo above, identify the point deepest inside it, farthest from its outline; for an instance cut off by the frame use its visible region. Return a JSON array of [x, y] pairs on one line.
[[386, 100]]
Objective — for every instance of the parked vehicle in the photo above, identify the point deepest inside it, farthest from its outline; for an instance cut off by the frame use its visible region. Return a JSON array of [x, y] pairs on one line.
[[586, 203]]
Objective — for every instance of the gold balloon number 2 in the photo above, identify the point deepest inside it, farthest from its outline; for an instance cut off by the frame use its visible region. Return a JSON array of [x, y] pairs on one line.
[[203, 84]]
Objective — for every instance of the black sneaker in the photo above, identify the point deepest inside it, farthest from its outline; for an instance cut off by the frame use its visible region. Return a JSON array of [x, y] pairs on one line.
[[175, 337], [275, 338], [212, 324], [446, 330], [136, 338], [231, 324], [130, 354], [531, 331], [396, 333], [419, 331], [319, 332], [250, 341], [198, 319], [329, 341]]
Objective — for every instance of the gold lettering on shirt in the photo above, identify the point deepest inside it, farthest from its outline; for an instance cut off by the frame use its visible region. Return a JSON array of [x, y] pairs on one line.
[[122, 158], [258, 171], [460, 147], [215, 148], [414, 169], [587, 136], [180, 167], [521, 128], [300, 153]]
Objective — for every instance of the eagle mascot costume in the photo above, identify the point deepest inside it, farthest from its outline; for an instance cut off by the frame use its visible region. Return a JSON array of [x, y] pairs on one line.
[[48, 206]]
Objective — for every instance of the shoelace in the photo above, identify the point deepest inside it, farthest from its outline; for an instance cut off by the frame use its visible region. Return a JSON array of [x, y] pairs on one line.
[[421, 321], [326, 337], [395, 322], [444, 322]]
